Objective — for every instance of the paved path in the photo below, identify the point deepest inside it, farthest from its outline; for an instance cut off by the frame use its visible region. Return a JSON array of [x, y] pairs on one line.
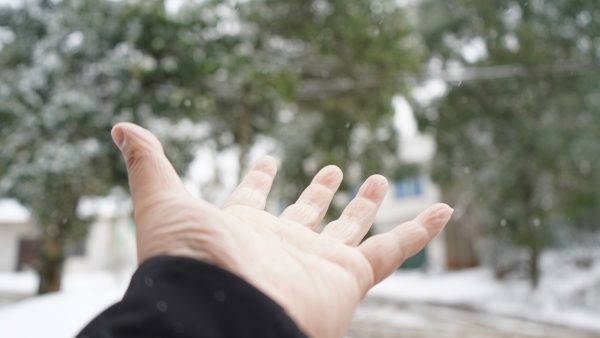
[[383, 318]]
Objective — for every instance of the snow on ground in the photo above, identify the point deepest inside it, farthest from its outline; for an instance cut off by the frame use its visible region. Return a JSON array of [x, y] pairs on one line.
[[57, 315], [568, 294], [447, 288], [23, 283], [26, 283], [60, 314]]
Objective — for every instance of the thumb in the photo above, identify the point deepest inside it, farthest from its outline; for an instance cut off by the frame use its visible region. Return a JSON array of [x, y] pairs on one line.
[[150, 172]]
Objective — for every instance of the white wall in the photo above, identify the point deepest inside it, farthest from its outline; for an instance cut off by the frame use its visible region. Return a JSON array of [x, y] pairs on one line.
[[394, 211], [10, 236], [8, 250], [110, 245]]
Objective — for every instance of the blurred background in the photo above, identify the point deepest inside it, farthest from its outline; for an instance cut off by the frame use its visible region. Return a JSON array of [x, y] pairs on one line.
[[488, 105]]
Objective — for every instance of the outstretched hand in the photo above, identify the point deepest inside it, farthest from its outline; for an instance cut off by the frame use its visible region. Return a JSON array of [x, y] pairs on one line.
[[318, 278]]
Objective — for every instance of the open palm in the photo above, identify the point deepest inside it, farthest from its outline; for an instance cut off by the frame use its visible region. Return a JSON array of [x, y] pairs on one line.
[[318, 278]]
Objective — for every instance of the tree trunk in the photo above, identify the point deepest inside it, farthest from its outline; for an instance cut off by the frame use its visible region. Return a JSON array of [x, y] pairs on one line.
[[532, 233], [244, 138], [535, 250], [534, 268], [460, 247], [50, 265], [460, 238]]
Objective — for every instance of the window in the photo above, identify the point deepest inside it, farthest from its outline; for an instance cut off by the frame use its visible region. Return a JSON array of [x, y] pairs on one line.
[[408, 187]]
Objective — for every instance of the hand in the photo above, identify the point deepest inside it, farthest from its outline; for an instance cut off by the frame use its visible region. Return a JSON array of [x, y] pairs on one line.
[[318, 278]]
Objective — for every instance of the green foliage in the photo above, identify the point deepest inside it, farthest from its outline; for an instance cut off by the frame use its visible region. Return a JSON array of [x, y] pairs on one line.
[[523, 145], [346, 57], [315, 77], [70, 71]]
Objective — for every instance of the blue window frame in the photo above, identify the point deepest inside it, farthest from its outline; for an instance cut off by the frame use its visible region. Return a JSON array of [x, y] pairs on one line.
[[408, 187]]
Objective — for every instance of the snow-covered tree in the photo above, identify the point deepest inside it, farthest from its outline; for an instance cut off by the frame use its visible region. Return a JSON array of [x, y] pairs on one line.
[[70, 70], [315, 77]]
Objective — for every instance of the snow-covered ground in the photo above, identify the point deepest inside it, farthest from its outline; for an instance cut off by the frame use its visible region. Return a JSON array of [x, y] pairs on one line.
[[61, 314], [569, 295]]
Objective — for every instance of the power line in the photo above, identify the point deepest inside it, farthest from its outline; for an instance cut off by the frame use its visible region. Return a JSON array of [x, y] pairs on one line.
[[508, 71], [317, 88]]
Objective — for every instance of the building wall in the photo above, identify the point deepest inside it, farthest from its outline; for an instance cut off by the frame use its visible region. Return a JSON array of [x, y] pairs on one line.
[[405, 200], [110, 245], [8, 253], [10, 238]]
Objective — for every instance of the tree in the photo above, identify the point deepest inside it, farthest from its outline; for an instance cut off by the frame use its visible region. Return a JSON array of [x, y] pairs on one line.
[[517, 133], [70, 70], [276, 69], [251, 69], [346, 57], [289, 67]]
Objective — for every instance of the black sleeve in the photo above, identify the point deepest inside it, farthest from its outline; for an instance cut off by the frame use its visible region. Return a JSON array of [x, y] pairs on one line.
[[183, 297]]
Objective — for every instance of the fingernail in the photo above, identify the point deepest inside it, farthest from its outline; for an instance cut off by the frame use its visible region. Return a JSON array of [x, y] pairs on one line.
[[330, 176], [443, 216], [436, 216], [118, 137], [376, 187]]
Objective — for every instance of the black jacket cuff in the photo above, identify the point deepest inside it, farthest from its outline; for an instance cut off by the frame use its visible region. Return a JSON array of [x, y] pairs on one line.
[[182, 297]]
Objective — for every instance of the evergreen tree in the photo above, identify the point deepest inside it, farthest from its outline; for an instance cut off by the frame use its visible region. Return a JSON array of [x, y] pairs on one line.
[[70, 70], [312, 76], [518, 132], [318, 77]]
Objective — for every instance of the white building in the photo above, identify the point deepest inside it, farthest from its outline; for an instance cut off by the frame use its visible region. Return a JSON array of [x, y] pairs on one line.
[[110, 244], [409, 196], [16, 231]]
